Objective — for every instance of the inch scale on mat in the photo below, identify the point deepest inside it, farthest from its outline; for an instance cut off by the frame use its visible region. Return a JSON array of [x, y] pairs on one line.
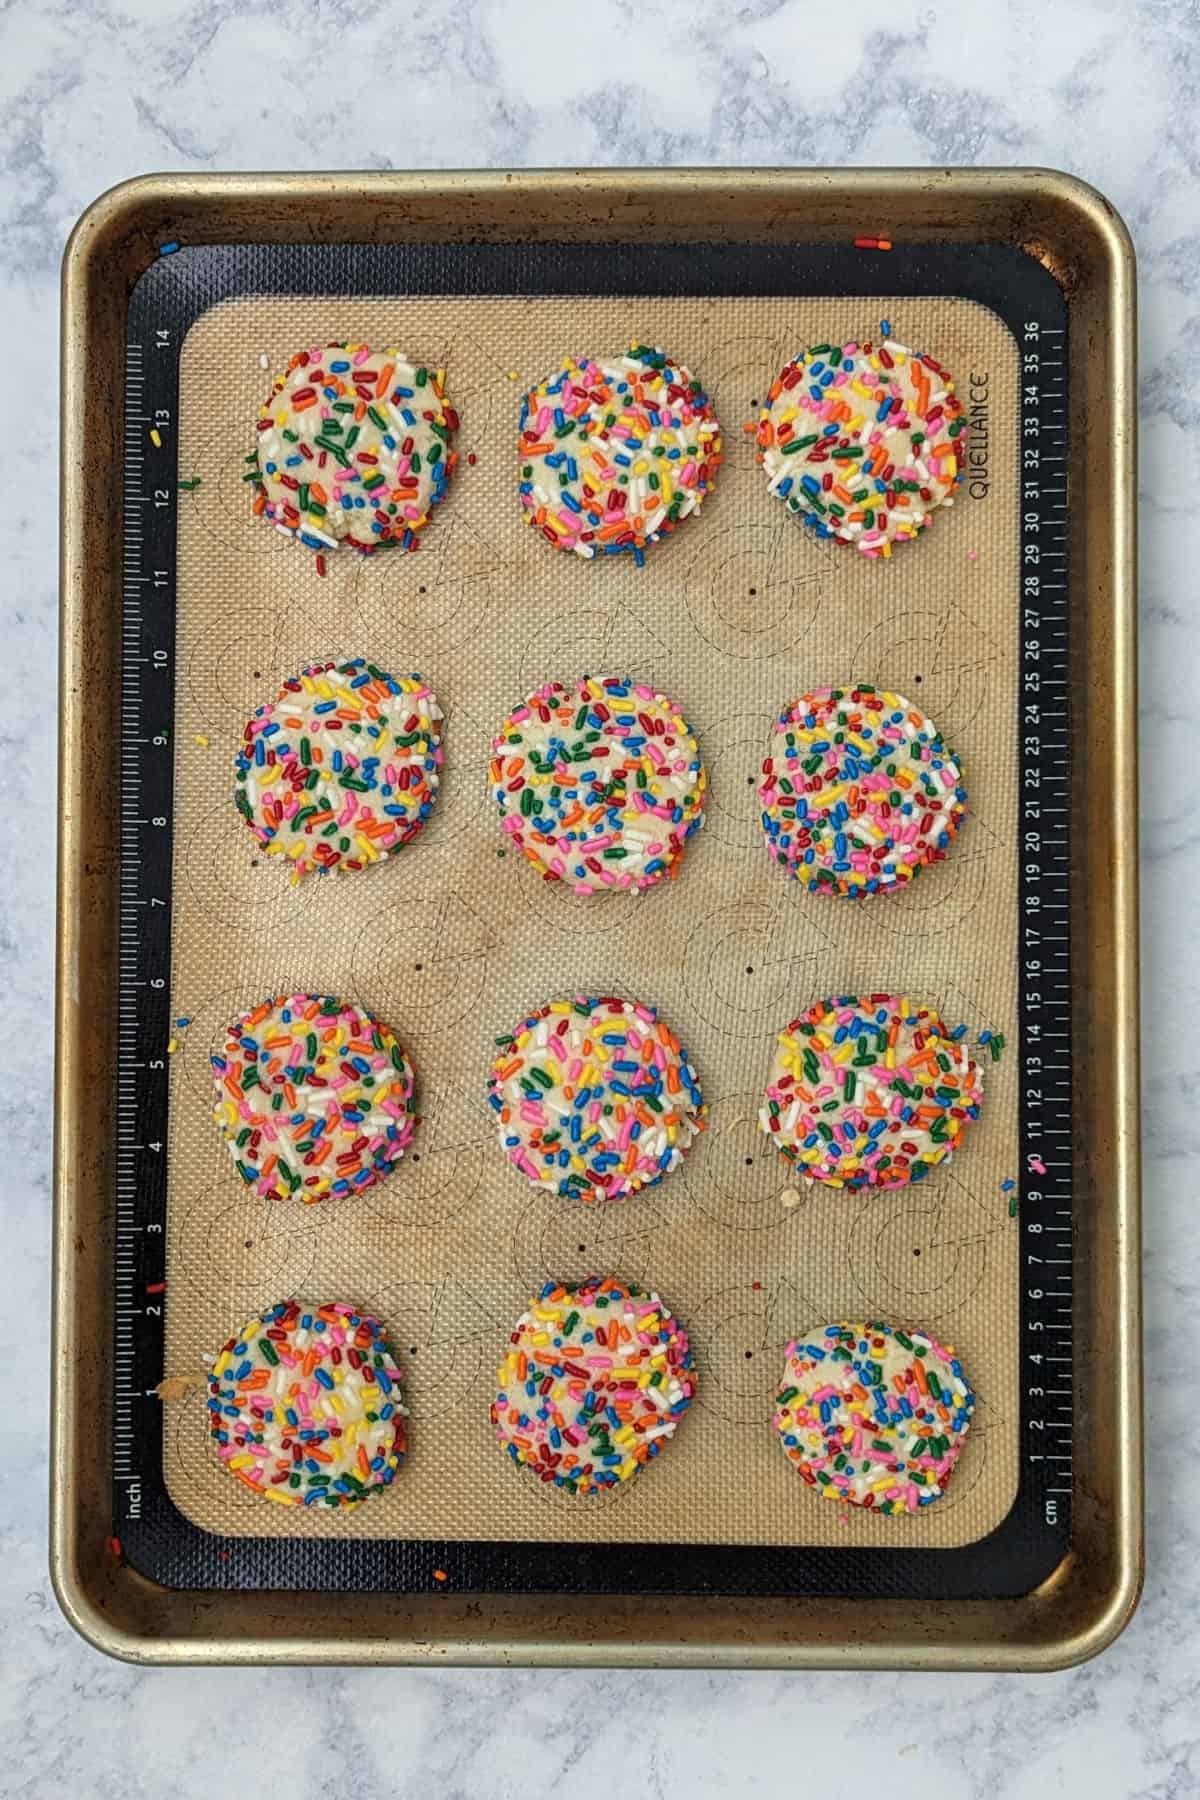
[[1044, 1068], [143, 1030]]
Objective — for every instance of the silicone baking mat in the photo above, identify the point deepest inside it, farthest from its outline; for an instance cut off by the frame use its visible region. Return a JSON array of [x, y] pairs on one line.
[[452, 941]]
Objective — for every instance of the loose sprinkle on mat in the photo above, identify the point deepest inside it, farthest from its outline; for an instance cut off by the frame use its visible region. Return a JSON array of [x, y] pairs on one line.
[[594, 1382], [869, 1092]]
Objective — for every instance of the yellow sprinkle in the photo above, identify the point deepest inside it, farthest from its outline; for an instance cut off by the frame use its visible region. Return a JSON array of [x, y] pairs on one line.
[[512, 374], [156, 440], [172, 1046], [202, 740], [280, 1497]]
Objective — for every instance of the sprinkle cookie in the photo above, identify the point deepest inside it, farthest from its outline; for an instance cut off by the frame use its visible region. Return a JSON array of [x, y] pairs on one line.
[[593, 1383], [594, 1098], [872, 1415], [863, 443], [314, 1098], [342, 768], [859, 792], [353, 447], [615, 454], [600, 784], [304, 1406], [869, 1092]]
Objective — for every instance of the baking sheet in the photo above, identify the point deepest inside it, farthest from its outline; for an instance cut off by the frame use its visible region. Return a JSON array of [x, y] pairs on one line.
[[451, 943]]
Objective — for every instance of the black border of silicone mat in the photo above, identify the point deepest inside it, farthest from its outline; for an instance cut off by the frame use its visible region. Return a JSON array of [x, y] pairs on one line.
[[159, 1541]]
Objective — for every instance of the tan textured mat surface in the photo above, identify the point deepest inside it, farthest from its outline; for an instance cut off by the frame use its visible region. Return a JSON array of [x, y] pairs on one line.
[[451, 942]]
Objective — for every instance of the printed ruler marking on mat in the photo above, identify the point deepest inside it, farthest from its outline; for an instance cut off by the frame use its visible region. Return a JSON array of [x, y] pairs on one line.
[[143, 1025], [1044, 932]]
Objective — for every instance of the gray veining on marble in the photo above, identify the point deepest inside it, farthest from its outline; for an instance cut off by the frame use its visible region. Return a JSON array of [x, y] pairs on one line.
[[92, 91]]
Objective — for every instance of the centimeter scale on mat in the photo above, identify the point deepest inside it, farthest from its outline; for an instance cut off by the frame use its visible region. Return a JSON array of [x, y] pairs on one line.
[[1042, 1044]]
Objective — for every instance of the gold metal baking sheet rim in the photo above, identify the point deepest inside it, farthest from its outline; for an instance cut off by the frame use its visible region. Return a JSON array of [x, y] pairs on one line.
[[1087, 1601]]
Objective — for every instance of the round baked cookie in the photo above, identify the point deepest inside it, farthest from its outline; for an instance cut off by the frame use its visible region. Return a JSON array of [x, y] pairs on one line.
[[863, 442], [342, 768], [870, 1092], [600, 784], [314, 1098], [614, 454], [353, 447], [304, 1405], [594, 1381], [594, 1098], [872, 1415], [859, 792]]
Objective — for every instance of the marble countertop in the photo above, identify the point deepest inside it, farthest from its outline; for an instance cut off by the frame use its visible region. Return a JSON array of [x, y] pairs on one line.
[[94, 91]]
